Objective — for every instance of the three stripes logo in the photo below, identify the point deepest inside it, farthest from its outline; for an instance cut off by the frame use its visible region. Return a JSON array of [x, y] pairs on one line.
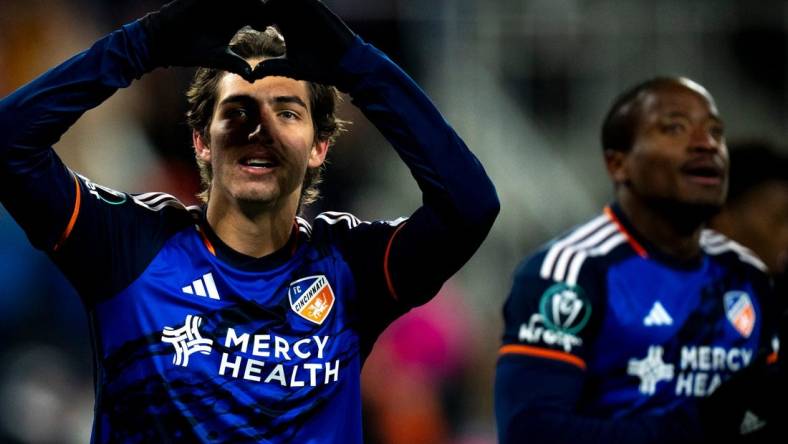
[[657, 316], [751, 423], [566, 256], [203, 286], [156, 201]]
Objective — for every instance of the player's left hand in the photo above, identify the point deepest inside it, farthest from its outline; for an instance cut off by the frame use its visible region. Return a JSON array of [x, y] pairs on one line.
[[316, 39]]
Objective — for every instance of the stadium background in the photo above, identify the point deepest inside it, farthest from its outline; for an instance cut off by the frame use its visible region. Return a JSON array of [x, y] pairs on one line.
[[525, 83]]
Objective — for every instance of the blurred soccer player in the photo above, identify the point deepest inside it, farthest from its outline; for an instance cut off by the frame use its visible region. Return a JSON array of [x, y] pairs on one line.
[[239, 321], [619, 330], [756, 212]]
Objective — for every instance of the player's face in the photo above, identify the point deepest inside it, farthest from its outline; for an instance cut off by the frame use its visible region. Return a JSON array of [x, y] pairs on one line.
[[261, 141], [762, 223], [679, 153]]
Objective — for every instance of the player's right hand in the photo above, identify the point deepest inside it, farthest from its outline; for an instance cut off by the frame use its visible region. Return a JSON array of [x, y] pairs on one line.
[[316, 40], [198, 33]]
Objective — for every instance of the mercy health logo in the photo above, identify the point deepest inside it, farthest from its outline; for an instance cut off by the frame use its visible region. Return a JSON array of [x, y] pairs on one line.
[[265, 358], [740, 311], [187, 340], [700, 370], [651, 370], [311, 298]]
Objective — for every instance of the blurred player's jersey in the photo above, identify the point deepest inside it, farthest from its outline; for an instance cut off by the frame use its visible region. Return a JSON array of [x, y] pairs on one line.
[[200, 343], [646, 331]]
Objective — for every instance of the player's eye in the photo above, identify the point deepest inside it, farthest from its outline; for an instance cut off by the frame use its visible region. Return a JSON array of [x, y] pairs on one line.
[[288, 115], [236, 113], [717, 131], [673, 128]]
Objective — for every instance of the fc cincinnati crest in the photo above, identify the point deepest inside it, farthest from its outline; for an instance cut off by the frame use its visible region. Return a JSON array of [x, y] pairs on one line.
[[312, 298], [740, 311]]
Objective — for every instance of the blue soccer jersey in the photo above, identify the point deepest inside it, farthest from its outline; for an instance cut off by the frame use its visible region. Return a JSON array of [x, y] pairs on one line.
[[605, 337], [195, 342], [210, 346]]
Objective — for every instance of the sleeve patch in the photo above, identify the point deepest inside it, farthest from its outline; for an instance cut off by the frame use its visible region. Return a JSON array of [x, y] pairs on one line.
[[565, 308], [564, 311], [100, 192]]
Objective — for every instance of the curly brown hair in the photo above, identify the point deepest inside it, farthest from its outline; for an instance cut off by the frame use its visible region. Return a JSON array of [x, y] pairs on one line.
[[202, 94]]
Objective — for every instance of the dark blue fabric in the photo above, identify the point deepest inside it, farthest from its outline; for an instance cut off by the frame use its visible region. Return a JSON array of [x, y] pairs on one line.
[[647, 314]]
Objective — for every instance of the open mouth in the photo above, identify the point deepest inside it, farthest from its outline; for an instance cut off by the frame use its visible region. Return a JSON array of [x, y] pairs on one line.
[[257, 162], [705, 172]]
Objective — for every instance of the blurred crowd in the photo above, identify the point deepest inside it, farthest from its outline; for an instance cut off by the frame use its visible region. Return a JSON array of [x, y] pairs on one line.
[[523, 82]]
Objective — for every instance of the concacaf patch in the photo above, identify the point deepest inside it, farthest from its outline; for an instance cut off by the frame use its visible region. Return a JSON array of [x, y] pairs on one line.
[[312, 298], [740, 311], [565, 308]]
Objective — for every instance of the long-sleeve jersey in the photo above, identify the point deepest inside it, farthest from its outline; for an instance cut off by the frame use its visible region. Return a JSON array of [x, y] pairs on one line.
[[195, 342], [607, 340]]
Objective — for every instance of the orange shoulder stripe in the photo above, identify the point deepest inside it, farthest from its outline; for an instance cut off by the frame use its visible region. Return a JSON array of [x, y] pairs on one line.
[[539, 352], [74, 214], [389, 283], [205, 240]]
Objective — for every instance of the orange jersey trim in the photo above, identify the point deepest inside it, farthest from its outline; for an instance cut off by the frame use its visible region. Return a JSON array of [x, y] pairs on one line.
[[632, 242], [74, 214], [516, 349], [389, 283], [206, 241]]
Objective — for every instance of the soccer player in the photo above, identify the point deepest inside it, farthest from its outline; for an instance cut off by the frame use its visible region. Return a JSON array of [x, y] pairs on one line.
[[239, 321], [620, 329]]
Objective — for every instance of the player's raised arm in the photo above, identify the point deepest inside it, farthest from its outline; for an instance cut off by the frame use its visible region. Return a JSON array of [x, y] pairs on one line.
[[459, 200], [37, 189]]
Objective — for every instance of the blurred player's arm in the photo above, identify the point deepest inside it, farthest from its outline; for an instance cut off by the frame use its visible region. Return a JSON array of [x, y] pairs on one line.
[[541, 374], [459, 200]]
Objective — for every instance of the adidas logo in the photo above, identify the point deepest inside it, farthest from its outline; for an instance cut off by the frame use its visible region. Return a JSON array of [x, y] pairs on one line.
[[657, 316], [203, 286], [750, 423]]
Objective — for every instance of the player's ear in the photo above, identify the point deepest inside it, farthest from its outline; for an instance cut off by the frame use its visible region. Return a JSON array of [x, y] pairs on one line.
[[201, 149], [615, 162], [318, 153]]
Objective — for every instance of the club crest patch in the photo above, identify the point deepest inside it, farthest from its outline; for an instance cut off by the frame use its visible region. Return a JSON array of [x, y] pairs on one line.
[[311, 298], [740, 311]]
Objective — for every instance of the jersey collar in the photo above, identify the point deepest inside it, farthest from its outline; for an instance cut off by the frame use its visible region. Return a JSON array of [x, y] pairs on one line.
[[641, 245], [241, 261]]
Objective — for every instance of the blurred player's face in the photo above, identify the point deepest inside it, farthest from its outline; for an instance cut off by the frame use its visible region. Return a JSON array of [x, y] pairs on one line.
[[679, 157], [261, 141], [759, 220]]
